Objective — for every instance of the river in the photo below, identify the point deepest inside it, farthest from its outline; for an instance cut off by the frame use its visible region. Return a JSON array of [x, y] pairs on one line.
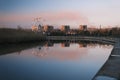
[[54, 61]]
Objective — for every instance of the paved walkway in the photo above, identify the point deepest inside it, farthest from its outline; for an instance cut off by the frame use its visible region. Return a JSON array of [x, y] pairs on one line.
[[111, 69]]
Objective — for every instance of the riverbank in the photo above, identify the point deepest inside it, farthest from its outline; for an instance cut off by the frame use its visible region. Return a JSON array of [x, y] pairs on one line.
[[82, 38], [18, 36], [8, 35], [111, 69]]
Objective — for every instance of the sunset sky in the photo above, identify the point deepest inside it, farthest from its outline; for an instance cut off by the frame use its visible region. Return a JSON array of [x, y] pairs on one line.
[[59, 12]]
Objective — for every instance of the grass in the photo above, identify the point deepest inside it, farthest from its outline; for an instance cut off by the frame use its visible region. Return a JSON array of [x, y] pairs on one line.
[[8, 35]]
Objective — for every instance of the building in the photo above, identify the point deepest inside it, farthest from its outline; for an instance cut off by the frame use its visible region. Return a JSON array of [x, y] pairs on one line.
[[48, 28], [83, 27], [35, 28], [40, 28], [65, 28]]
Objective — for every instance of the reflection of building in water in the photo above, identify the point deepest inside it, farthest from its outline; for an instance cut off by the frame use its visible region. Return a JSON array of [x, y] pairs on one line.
[[92, 45], [82, 44], [57, 52], [66, 55], [65, 44], [42, 52], [49, 44], [107, 46]]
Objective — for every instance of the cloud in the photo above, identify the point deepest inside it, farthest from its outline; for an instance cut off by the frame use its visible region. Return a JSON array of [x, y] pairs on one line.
[[52, 18], [65, 17]]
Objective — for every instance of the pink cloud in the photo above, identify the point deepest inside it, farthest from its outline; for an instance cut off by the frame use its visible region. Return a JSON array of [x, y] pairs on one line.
[[58, 18], [65, 17]]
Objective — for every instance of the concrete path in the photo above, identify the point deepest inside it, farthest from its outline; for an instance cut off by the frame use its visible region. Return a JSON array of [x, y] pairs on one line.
[[111, 69]]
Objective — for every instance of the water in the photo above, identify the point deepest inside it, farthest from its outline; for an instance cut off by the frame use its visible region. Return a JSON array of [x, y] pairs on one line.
[[58, 61]]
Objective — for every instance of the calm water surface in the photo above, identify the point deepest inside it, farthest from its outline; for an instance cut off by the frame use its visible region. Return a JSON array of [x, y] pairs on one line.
[[58, 61]]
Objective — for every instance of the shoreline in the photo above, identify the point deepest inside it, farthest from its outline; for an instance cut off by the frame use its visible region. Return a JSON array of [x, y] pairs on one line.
[[19, 36], [111, 69]]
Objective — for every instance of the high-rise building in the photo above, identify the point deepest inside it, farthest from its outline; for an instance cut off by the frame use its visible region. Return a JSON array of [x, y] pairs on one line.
[[40, 28], [34, 28], [65, 28], [83, 27], [48, 28]]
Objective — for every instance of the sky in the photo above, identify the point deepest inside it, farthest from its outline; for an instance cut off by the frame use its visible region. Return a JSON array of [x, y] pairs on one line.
[[59, 12]]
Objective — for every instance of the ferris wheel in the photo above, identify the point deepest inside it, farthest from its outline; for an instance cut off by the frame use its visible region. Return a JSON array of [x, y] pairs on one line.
[[39, 21]]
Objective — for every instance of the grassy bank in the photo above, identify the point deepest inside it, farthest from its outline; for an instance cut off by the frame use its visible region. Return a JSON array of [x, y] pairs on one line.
[[8, 35]]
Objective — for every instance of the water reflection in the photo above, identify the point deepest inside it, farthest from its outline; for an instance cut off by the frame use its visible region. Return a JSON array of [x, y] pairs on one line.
[[10, 48], [65, 44], [49, 44], [64, 50], [82, 45], [54, 61]]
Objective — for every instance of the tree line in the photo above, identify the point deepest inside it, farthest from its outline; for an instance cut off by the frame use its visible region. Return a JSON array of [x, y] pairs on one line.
[[105, 32]]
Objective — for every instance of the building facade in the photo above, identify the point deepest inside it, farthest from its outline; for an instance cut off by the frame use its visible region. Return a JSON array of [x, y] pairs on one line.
[[48, 28], [65, 28], [83, 27], [38, 28], [35, 28]]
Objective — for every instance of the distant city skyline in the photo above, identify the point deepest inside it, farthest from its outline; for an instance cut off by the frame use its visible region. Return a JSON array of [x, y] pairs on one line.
[[60, 12]]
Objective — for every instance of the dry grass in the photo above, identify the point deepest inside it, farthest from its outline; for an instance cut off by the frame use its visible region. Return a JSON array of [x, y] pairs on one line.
[[8, 35]]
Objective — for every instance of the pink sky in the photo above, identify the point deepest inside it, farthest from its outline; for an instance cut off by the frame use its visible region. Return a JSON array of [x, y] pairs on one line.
[[51, 18], [57, 12]]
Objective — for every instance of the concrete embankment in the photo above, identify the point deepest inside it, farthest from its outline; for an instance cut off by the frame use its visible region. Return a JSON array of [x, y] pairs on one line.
[[111, 69], [83, 38]]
